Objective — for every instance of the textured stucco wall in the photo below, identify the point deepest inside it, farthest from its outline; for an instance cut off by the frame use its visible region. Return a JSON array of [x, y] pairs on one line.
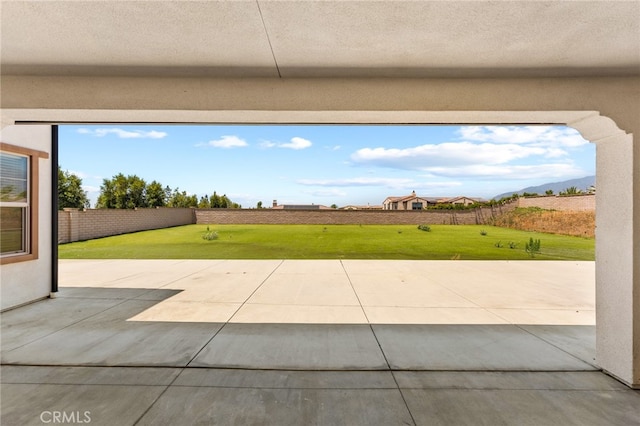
[[23, 282]]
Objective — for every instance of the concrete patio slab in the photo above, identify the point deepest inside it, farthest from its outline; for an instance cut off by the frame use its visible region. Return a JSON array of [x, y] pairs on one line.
[[35, 321], [552, 285], [522, 407], [546, 316], [297, 289], [469, 347], [106, 293], [37, 404], [286, 379], [405, 291], [281, 407], [109, 339], [299, 314], [508, 380], [293, 347], [144, 376], [213, 287], [126, 273], [412, 315], [311, 267], [188, 311], [190, 346], [578, 340]]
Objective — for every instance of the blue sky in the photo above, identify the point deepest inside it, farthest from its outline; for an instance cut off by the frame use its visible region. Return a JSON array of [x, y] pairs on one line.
[[327, 164]]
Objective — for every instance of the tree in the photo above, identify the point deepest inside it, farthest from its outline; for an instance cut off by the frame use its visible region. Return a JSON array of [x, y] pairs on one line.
[[204, 202], [122, 192], [571, 191], [259, 206], [156, 195], [225, 202], [182, 199], [215, 201], [334, 206], [70, 192], [549, 192]]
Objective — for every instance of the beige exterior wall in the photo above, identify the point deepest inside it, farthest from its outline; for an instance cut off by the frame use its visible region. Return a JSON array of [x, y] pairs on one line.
[[24, 282], [578, 203], [606, 110], [77, 225]]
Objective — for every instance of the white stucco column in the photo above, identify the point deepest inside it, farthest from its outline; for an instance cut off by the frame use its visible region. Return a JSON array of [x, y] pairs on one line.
[[617, 263]]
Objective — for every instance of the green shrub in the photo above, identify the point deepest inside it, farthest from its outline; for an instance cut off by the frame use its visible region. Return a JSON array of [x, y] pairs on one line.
[[425, 228], [532, 247], [210, 235], [483, 233]]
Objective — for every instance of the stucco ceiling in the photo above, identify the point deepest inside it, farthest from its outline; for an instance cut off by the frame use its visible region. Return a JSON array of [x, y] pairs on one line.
[[321, 38]]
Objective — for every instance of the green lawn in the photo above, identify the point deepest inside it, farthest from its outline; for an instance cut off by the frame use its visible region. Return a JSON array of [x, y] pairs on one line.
[[330, 242]]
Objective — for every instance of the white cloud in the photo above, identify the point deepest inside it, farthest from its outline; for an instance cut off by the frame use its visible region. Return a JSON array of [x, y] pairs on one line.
[[228, 141], [450, 154], [295, 143], [327, 193], [547, 136], [267, 144], [509, 172], [123, 134], [393, 183], [359, 181]]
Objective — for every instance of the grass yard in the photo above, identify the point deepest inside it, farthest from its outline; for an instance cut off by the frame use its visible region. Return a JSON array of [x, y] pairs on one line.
[[464, 242]]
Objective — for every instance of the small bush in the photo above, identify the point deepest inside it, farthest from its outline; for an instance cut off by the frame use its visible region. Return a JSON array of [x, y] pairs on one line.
[[425, 228], [210, 235], [483, 233], [532, 247], [512, 245], [499, 244]]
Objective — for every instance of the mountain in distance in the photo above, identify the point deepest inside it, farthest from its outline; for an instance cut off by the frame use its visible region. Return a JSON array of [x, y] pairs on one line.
[[581, 183]]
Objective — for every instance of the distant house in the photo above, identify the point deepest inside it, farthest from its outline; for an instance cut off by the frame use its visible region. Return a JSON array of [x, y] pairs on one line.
[[460, 200], [277, 206], [367, 207], [414, 202], [407, 202]]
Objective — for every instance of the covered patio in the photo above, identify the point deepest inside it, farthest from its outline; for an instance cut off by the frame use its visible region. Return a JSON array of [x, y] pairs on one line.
[[304, 342]]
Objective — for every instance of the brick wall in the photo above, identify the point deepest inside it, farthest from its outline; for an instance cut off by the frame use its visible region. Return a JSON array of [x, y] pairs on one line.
[[76, 225], [348, 217], [572, 203]]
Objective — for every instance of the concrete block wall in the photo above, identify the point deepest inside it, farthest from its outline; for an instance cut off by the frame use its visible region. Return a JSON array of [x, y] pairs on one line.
[[347, 217], [568, 203], [74, 225]]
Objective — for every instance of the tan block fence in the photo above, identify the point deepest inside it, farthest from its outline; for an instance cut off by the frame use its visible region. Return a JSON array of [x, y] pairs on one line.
[[576, 203], [75, 225]]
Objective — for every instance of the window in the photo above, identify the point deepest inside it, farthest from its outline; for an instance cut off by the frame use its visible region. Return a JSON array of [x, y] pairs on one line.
[[416, 206], [18, 203]]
